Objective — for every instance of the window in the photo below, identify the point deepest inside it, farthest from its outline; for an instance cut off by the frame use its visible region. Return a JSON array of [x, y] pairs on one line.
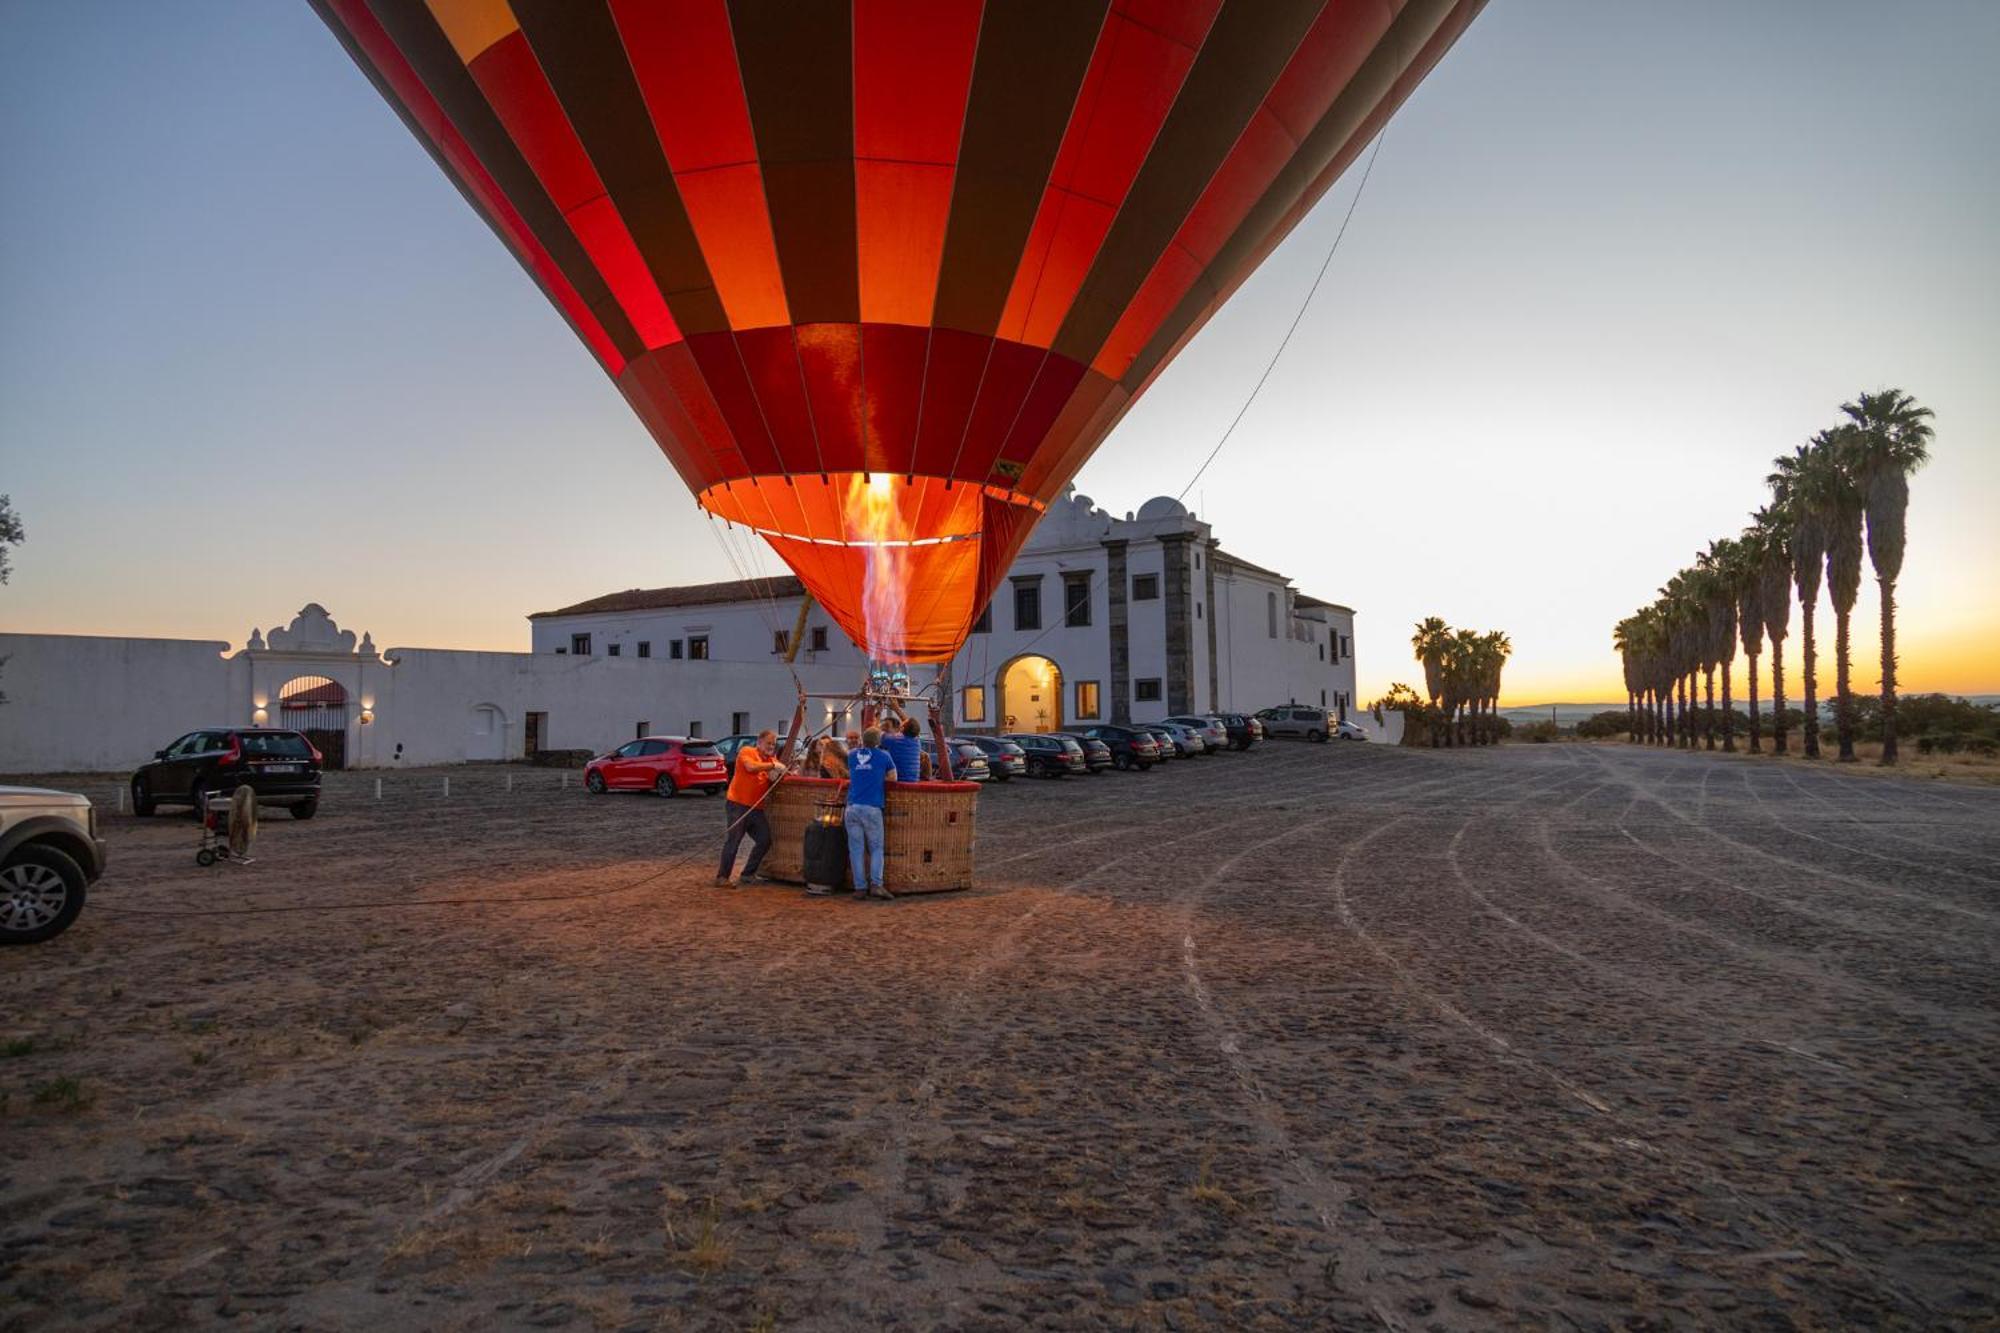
[[1146, 691], [1271, 612], [984, 625], [1322, 698], [819, 638], [780, 641], [1028, 605], [645, 647], [647, 749], [972, 707], [1346, 646], [580, 644], [1322, 652], [561, 651], [694, 728], [1076, 600], [697, 647], [611, 649], [1086, 698], [645, 729], [1333, 639], [739, 723], [630, 750], [1197, 610], [674, 649], [1145, 587]]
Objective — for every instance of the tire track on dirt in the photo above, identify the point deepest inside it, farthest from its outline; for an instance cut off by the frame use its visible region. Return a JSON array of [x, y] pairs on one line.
[[1500, 1048]]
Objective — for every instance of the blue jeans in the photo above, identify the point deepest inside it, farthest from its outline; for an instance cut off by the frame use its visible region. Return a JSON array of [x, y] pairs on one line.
[[864, 846]]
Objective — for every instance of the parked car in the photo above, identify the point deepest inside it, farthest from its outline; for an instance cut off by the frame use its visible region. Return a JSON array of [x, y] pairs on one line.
[[1190, 741], [1130, 748], [663, 765], [282, 767], [1170, 748], [50, 855], [1214, 735], [1349, 731], [1048, 756], [1004, 758], [1096, 754], [1296, 720], [729, 745], [1242, 730], [968, 761]]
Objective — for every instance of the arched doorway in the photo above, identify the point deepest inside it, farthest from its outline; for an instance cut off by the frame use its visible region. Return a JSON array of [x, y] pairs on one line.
[[316, 706], [1030, 690]]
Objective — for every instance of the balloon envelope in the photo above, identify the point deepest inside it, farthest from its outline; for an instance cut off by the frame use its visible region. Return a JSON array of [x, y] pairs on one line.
[[878, 275]]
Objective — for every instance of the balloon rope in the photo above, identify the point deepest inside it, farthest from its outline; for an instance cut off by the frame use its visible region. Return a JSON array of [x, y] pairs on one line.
[[1287, 339]]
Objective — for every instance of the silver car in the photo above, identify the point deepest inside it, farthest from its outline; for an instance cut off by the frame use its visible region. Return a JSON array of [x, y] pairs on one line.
[[1207, 726], [1313, 724]]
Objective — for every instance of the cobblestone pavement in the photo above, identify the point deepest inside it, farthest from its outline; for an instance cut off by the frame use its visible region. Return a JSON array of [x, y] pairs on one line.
[[1312, 1036]]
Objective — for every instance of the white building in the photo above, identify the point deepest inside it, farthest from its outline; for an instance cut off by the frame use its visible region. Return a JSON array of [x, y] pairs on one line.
[[1100, 619]]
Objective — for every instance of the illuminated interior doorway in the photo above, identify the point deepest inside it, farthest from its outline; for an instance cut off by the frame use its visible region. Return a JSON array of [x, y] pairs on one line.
[[1030, 695]]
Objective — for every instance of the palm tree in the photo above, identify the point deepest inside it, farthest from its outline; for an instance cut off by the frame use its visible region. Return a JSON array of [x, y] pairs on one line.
[[1775, 574], [1495, 648], [1464, 676], [1799, 484], [1750, 616], [1431, 643], [1891, 439], [1625, 639], [1724, 559], [1844, 511]]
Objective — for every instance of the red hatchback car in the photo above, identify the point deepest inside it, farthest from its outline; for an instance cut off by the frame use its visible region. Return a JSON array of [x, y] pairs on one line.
[[664, 765]]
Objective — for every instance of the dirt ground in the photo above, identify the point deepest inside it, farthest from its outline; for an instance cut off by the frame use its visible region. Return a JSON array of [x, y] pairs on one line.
[[1314, 1036]]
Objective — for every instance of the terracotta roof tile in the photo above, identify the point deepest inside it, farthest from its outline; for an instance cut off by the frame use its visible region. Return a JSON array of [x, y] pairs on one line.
[[694, 594]]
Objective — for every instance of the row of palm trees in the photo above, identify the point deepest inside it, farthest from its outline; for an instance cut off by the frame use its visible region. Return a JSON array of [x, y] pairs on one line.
[[1462, 675], [1851, 477]]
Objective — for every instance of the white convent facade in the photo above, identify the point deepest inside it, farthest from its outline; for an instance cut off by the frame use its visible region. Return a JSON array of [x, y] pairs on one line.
[[1101, 619]]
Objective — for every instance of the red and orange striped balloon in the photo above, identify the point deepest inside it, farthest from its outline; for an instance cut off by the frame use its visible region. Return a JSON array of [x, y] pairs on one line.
[[880, 274]]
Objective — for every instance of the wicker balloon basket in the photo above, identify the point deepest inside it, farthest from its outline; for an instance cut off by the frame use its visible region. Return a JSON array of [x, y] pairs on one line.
[[927, 831]]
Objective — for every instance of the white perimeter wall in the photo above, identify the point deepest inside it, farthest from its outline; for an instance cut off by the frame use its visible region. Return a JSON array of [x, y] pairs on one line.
[[84, 704]]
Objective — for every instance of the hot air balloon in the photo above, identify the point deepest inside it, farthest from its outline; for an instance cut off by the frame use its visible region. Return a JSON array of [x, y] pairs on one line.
[[879, 275]]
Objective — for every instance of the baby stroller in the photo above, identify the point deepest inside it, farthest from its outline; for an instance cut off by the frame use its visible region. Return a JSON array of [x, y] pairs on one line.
[[228, 827]]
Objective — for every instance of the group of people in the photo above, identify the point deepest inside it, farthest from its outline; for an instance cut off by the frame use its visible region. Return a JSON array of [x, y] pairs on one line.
[[868, 761]]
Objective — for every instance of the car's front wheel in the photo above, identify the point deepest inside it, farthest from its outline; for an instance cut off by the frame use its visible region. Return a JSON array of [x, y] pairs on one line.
[[663, 787], [594, 783], [41, 891], [142, 798], [1315, 735]]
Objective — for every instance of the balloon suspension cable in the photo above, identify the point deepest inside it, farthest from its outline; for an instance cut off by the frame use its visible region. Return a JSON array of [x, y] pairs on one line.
[[1285, 341]]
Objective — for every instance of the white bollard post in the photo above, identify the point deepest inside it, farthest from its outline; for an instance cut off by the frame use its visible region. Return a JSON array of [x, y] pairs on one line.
[[121, 800], [447, 785], [510, 782], [378, 789], [565, 780]]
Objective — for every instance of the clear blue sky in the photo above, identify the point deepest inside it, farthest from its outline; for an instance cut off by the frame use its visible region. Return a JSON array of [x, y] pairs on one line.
[[255, 350]]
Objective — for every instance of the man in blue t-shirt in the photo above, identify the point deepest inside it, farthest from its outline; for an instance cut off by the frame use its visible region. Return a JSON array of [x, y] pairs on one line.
[[870, 770], [906, 746]]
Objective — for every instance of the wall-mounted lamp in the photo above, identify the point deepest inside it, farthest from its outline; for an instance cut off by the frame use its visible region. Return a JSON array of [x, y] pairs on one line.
[[367, 716], [260, 717]]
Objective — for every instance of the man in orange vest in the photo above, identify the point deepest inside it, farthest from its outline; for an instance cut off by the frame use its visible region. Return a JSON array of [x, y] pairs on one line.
[[743, 806]]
